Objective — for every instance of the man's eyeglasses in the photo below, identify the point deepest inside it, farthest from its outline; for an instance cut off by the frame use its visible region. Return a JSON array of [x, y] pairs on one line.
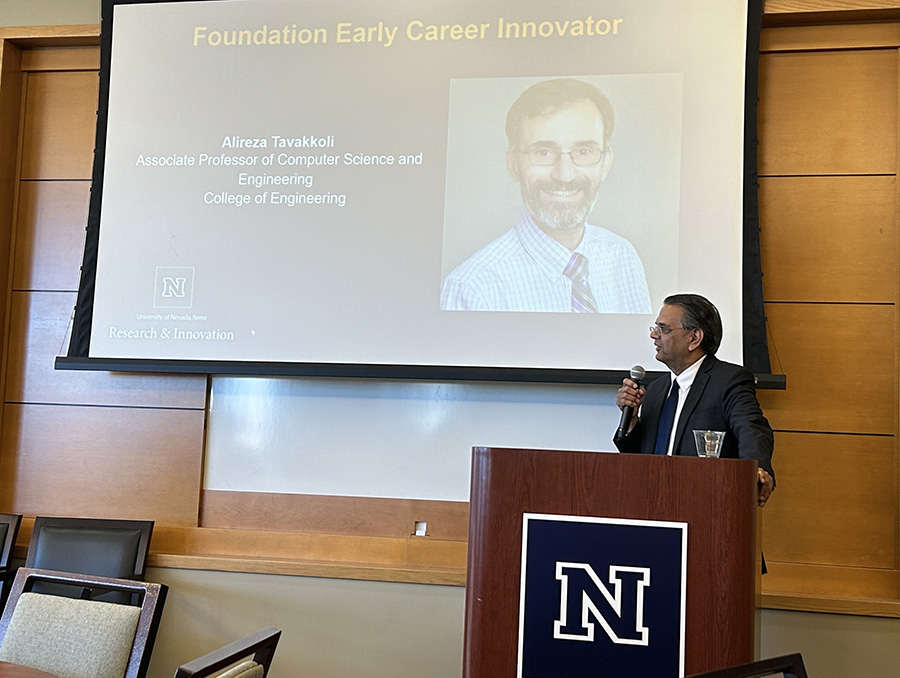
[[545, 156], [663, 329]]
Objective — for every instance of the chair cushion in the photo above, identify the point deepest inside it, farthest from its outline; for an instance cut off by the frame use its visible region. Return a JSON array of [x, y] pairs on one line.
[[70, 638], [248, 669]]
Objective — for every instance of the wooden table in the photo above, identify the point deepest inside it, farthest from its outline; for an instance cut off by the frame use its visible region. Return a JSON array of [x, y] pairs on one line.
[[8, 670]]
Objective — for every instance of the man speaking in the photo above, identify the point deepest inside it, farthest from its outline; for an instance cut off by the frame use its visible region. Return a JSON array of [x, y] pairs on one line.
[[702, 393]]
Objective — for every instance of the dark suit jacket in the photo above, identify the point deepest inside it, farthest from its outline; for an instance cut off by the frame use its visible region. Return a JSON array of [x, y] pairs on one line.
[[722, 398]]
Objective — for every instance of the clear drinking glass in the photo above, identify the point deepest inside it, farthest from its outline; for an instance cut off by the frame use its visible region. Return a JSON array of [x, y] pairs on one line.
[[709, 443]]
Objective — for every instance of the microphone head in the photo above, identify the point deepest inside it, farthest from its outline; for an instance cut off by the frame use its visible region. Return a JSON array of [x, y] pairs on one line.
[[637, 373]]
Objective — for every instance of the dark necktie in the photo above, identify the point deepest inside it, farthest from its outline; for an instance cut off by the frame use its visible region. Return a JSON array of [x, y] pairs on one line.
[[666, 421], [576, 271]]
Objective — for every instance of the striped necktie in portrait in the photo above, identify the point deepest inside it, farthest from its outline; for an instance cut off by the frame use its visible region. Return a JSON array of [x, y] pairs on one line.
[[576, 271]]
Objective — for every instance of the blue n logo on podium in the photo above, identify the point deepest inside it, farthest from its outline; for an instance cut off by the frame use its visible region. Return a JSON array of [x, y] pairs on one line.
[[601, 592]]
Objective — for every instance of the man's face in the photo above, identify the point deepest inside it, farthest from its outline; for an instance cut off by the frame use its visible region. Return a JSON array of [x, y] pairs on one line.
[[676, 347], [560, 196]]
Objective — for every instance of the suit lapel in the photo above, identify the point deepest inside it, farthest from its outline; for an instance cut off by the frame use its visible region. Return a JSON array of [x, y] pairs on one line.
[[690, 403]]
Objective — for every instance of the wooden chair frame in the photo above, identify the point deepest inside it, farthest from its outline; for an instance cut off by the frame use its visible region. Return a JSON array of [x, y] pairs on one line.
[[12, 521], [789, 665], [150, 598], [262, 644], [145, 527]]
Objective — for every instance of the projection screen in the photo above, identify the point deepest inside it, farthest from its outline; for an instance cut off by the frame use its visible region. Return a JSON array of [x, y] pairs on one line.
[[331, 187]]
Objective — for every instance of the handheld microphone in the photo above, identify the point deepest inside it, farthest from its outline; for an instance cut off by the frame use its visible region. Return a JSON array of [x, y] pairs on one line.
[[637, 373]]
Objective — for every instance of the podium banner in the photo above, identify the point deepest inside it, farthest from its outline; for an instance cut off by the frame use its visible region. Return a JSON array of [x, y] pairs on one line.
[[601, 592]]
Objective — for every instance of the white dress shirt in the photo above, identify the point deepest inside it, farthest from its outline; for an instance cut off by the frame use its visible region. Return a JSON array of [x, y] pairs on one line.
[[684, 380]]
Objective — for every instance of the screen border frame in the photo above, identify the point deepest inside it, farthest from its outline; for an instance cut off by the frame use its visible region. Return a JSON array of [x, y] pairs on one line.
[[755, 345]]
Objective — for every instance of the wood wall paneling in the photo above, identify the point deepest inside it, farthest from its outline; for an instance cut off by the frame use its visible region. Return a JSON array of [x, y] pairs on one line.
[[59, 125], [101, 461], [62, 59], [56, 37], [827, 582], [805, 7], [301, 546], [829, 239], [40, 324], [841, 367], [857, 604], [11, 96], [853, 523], [840, 36], [374, 516], [830, 249], [11, 78], [418, 559], [52, 216], [112, 445], [810, 117]]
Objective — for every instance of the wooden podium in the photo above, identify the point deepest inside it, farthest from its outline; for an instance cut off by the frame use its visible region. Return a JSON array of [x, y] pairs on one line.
[[715, 497]]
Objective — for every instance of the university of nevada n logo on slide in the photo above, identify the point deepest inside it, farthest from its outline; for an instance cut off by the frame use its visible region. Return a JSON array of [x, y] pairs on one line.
[[601, 597], [174, 287]]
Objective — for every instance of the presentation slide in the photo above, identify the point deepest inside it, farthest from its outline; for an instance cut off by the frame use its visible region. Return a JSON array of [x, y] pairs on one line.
[[491, 184]]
